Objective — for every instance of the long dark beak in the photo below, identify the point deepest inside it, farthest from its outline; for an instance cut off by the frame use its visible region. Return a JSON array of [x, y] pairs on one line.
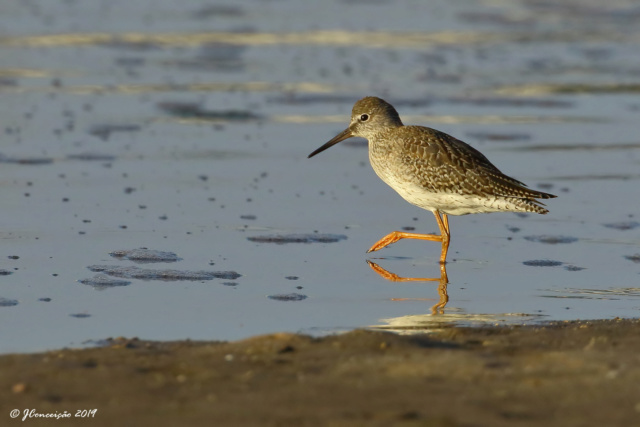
[[345, 134]]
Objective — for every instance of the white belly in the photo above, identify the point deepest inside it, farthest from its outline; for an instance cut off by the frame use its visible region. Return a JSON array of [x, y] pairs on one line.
[[450, 203]]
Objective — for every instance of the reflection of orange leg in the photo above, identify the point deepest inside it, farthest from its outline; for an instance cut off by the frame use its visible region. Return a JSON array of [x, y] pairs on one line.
[[442, 287], [395, 278], [444, 297], [394, 236]]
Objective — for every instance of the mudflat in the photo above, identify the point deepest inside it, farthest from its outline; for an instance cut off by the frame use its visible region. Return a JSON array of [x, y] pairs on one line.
[[557, 374]]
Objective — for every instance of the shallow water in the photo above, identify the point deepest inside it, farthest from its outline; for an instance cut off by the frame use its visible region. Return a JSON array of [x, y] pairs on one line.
[[184, 128]]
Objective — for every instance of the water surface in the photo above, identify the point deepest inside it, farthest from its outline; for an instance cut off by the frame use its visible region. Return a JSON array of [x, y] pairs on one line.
[[184, 128]]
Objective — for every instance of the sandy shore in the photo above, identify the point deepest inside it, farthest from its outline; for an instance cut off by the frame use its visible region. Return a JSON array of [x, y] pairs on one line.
[[560, 374]]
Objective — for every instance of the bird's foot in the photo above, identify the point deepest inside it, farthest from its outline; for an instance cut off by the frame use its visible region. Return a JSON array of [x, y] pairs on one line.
[[387, 240]]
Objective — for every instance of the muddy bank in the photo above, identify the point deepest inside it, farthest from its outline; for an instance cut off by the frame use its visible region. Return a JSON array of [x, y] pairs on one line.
[[564, 374]]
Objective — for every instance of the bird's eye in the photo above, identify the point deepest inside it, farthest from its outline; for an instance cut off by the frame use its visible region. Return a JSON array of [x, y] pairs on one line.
[[364, 117]]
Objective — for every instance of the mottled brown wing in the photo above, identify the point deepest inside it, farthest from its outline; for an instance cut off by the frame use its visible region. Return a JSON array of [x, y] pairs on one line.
[[446, 164]]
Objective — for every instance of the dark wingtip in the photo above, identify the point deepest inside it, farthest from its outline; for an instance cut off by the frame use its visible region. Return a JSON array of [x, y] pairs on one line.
[[541, 195]]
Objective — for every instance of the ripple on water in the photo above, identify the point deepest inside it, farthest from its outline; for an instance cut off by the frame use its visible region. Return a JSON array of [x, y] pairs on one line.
[[191, 110], [101, 282], [508, 102], [608, 294], [166, 275], [542, 263], [296, 99], [635, 258], [551, 240], [282, 239], [104, 131], [624, 225], [494, 136], [4, 302], [144, 255], [26, 160], [80, 315], [92, 157], [288, 297]]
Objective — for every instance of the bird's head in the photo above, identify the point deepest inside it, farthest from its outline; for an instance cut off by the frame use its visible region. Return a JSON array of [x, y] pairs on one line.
[[369, 116]]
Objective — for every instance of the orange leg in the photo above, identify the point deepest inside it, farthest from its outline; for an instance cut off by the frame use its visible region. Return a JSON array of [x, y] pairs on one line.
[[444, 237]]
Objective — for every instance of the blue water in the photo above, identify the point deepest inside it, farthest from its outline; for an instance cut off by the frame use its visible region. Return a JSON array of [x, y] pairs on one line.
[[264, 84]]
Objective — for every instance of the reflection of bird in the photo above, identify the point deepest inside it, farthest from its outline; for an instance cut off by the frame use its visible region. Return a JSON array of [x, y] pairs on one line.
[[433, 170]]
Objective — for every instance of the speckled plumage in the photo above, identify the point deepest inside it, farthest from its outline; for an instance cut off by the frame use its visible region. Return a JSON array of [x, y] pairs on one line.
[[436, 171], [433, 170]]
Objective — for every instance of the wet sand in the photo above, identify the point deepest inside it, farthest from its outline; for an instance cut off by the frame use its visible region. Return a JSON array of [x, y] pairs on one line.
[[558, 374]]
